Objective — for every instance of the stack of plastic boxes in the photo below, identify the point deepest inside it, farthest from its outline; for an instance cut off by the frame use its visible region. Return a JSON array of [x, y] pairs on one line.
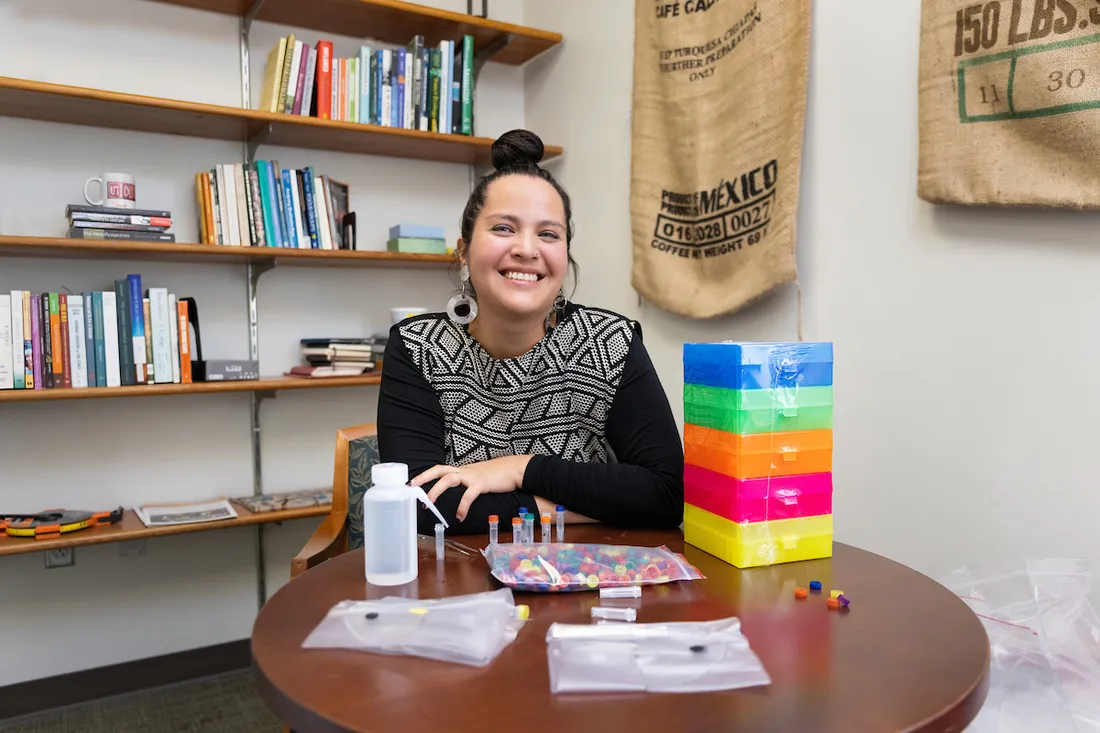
[[758, 451]]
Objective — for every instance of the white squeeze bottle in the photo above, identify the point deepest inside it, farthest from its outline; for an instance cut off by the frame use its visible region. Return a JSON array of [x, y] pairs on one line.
[[389, 525]]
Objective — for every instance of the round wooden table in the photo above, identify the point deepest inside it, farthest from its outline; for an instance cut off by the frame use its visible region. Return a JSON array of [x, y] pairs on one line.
[[906, 656]]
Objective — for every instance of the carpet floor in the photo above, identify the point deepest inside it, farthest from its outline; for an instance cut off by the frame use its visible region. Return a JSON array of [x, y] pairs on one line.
[[227, 703]]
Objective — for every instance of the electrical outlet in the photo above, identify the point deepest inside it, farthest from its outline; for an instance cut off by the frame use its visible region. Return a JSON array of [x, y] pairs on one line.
[[60, 558], [132, 549]]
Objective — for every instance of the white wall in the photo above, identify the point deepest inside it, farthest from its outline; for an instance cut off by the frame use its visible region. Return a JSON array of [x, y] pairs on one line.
[[200, 589], [964, 338]]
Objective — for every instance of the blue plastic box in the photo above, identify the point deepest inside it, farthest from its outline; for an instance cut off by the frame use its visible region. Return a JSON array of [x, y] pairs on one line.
[[759, 365]]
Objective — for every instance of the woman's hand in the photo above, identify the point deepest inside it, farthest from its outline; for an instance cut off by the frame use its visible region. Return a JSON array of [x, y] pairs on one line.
[[498, 476]]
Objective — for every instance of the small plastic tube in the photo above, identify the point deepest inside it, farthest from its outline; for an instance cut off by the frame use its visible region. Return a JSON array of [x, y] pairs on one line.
[[521, 538], [623, 591], [614, 614], [559, 510], [517, 530], [493, 520], [546, 528], [439, 550], [529, 528]]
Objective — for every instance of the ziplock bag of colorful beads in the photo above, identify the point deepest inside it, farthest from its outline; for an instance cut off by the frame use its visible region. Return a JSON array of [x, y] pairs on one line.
[[469, 629], [668, 657], [567, 566]]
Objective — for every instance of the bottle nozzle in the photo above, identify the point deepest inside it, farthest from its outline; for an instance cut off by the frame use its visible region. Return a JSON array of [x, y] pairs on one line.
[[422, 495]]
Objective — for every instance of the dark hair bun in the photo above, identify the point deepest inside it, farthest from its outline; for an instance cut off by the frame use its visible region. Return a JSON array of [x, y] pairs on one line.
[[517, 149]]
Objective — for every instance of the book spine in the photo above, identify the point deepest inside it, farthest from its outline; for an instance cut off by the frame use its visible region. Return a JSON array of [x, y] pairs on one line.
[[161, 330], [402, 78], [424, 89], [366, 65], [257, 209], [99, 348], [244, 193], [14, 322], [171, 314], [47, 342], [36, 342], [137, 319], [311, 208], [267, 204], [78, 354], [89, 340], [280, 197], [324, 80], [127, 359], [185, 342], [57, 365], [273, 205], [111, 344], [300, 83], [64, 337], [7, 374], [436, 82], [467, 85], [386, 117], [79, 233], [375, 84], [288, 209], [353, 89], [28, 343], [311, 81], [216, 207], [286, 91], [200, 204], [149, 365]]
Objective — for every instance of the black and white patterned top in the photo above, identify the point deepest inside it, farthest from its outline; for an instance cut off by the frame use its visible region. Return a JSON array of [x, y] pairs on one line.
[[586, 387]]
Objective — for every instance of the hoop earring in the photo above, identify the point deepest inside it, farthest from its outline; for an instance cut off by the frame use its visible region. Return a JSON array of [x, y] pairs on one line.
[[559, 305], [462, 308]]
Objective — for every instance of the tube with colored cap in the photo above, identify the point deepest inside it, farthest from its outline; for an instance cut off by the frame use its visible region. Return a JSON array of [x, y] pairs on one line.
[[560, 511], [517, 530], [529, 528], [493, 519], [546, 528]]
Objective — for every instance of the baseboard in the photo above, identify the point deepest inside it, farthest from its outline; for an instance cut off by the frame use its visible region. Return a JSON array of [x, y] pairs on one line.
[[117, 679]]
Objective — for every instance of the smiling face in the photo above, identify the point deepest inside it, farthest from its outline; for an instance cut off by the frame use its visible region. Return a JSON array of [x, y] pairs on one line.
[[517, 253]]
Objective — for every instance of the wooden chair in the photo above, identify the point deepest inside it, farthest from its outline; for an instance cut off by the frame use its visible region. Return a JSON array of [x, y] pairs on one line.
[[342, 529]]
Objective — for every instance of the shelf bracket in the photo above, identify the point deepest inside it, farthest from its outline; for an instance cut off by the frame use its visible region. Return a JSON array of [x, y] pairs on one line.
[[487, 52], [255, 141], [480, 57], [484, 8], [247, 18], [255, 399]]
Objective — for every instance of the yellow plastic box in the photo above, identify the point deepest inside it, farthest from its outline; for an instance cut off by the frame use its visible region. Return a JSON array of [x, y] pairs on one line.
[[759, 543]]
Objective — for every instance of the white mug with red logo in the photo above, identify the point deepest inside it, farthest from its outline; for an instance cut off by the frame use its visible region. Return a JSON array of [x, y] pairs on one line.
[[117, 189]]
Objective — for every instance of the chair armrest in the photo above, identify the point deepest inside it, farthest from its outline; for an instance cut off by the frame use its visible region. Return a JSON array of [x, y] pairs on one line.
[[327, 541]]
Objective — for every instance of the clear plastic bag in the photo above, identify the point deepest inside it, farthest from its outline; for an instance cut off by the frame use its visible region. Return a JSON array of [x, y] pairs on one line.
[[670, 657], [1044, 640], [567, 566], [469, 629]]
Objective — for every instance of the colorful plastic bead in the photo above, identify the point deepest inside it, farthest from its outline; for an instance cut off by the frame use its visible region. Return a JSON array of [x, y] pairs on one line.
[[815, 585], [843, 600], [832, 603], [800, 593], [835, 593]]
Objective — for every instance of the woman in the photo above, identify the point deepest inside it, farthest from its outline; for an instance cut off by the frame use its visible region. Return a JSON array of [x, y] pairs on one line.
[[515, 395]]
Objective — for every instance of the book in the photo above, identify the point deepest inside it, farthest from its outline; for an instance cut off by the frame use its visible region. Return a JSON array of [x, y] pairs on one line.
[[163, 515], [417, 245]]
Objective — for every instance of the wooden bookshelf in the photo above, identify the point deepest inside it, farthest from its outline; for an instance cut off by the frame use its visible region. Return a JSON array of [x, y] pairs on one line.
[[60, 247], [132, 528], [152, 390], [36, 100], [390, 21]]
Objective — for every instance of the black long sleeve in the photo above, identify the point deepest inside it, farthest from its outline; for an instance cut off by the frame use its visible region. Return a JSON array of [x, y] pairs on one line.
[[411, 430], [646, 486]]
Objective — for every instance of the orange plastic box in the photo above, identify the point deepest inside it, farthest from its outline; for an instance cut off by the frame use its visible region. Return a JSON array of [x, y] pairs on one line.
[[760, 454]]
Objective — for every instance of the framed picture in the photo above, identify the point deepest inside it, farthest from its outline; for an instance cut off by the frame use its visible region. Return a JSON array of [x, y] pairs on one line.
[[338, 195]]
